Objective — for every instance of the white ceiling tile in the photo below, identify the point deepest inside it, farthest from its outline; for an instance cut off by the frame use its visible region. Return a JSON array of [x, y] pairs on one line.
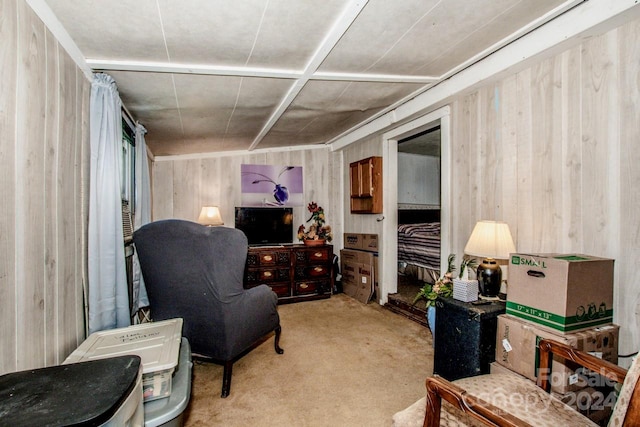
[[127, 29], [227, 103], [325, 109]]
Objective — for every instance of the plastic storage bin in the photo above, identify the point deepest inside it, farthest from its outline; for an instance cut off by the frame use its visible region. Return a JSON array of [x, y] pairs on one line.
[[169, 412], [157, 344], [105, 392]]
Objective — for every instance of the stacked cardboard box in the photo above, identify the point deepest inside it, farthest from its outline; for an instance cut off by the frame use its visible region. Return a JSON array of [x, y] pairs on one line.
[[564, 293], [517, 349], [361, 242], [566, 298], [359, 265]]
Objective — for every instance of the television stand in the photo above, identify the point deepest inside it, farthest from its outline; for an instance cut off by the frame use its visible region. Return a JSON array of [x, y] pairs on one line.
[[294, 272]]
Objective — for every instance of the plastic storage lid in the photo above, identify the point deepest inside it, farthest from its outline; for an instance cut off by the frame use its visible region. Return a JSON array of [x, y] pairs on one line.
[[82, 394], [157, 344]]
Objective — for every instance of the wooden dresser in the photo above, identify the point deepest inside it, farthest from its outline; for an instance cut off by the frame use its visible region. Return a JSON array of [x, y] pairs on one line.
[[294, 272]]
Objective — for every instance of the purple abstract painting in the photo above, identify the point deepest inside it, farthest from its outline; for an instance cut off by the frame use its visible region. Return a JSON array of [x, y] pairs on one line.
[[270, 185]]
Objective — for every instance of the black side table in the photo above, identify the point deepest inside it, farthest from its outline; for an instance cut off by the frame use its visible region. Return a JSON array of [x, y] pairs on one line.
[[465, 337]]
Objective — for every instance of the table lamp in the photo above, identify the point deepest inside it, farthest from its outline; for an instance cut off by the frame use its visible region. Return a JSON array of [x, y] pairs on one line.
[[490, 240], [210, 215]]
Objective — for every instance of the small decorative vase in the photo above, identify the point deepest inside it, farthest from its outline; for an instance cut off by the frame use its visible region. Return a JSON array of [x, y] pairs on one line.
[[318, 242], [431, 320]]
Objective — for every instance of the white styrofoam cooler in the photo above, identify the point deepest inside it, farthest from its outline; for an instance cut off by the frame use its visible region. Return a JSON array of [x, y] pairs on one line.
[[157, 344]]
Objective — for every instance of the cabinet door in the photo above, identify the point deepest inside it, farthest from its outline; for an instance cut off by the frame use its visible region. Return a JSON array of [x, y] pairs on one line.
[[366, 178], [362, 178], [355, 179]]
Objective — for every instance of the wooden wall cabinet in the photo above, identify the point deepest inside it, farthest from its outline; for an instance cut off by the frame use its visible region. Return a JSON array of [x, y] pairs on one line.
[[366, 185], [294, 272]]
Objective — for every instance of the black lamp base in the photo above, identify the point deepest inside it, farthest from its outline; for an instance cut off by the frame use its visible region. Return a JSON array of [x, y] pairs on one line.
[[489, 277]]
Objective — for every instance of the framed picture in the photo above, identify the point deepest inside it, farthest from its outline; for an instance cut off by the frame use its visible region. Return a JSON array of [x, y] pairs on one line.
[[271, 185]]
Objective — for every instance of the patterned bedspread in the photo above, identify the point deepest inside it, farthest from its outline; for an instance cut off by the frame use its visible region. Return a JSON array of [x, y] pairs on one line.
[[419, 244]]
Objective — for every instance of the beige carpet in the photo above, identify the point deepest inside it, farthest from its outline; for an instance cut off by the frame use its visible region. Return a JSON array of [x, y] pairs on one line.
[[344, 364]]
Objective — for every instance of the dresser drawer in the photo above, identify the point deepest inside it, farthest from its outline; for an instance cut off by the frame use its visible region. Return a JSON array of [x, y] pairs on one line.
[[281, 289], [312, 271], [314, 255], [268, 257], [266, 275], [307, 287]]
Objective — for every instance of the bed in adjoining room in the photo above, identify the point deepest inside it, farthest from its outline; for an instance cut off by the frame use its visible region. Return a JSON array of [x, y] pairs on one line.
[[419, 243]]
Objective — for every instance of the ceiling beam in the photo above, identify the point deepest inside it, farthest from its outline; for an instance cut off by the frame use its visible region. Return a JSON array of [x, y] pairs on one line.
[[260, 72], [202, 69], [364, 77], [342, 24]]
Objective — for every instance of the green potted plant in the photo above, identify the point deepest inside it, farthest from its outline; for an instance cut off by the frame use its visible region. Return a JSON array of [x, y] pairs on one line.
[[442, 286]]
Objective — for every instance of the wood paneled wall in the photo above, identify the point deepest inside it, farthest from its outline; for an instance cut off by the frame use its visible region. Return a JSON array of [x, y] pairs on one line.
[[182, 187], [552, 150], [44, 159]]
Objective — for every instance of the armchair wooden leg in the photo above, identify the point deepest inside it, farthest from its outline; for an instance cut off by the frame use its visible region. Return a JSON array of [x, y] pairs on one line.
[[277, 340], [226, 378]]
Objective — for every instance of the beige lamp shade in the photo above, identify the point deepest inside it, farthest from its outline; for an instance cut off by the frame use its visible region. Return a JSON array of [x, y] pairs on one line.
[[490, 239], [210, 215]]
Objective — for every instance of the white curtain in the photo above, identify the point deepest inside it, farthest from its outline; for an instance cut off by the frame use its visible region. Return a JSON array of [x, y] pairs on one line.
[[108, 294], [142, 215]]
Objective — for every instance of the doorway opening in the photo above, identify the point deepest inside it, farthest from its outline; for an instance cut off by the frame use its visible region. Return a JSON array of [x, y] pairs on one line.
[[416, 229], [418, 220]]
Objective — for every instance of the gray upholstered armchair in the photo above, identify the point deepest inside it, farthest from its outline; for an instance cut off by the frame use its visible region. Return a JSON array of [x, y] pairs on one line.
[[195, 272]]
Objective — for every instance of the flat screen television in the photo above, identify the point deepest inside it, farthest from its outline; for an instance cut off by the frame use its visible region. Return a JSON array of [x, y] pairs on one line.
[[266, 226]]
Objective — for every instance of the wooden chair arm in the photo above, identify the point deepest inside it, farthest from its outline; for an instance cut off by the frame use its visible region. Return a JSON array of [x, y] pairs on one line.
[[439, 388], [548, 348]]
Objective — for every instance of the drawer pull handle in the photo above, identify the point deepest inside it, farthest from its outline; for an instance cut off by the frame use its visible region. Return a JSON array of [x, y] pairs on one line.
[[268, 258], [303, 286], [318, 269], [317, 254], [267, 274]]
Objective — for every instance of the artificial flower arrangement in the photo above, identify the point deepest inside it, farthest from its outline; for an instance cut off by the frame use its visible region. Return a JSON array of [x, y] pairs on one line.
[[317, 230], [443, 286]]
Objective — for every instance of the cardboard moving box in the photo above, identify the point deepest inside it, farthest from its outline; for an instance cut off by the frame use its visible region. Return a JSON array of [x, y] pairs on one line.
[[562, 292], [517, 349], [496, 368], [595, 404], [358, 274], [361, 241]]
